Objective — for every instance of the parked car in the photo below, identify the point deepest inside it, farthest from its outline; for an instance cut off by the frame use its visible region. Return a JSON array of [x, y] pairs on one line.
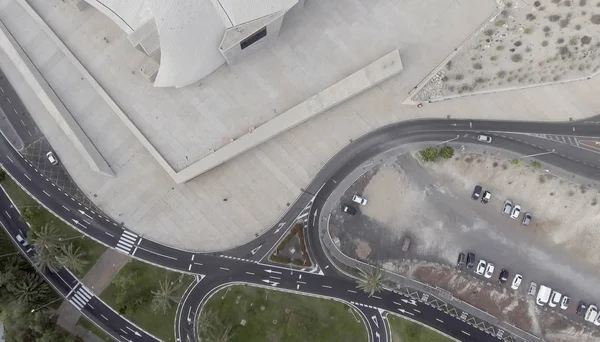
[[52, 158], [480, 269], [359, 199], [515, 212], [503, 277], [489, 270], [526, 219], [348, 209], [591, 313], [554, 299], [597, 320], [532, 289], [406, 244], [470, 260], [476, 192], [564, 303], [517, 282], [22, 240], [487, 196], [484, 138], [461, 259], [507, 208], [581, 308]]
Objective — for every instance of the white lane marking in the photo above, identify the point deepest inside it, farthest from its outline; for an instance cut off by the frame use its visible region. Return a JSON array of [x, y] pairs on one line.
[[123, 331], [273, 277], [7, 214], [104, 317], [376, 297], [28, 131], [86, 222], [8, 99], [301, 282], [297, 287], [26, 176], [149, 251], [45, 193], [139, 241], [396, 303], [466, 333], [223, 268], [197, 263], [193, 255], [326, 286], [351, 291], [67, 209], [190, 268], [439, 320], [2, 89], [415, 310], [250, 273], [15, 109], [109, 234], [10, 159]]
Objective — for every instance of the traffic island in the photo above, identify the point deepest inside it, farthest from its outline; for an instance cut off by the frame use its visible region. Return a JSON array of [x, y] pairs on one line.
[[292, 249]]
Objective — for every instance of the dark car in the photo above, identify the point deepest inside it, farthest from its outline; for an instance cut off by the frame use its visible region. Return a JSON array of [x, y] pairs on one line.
[[526, 219], [470, 260], [348, 209], [581, 308], [503, 276], [461, 259], [476, 192]]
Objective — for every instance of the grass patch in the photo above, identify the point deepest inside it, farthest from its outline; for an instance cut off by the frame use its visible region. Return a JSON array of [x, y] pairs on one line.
[[133, 286], [91, 327], [404, 330], [92, 248], [281, 316]]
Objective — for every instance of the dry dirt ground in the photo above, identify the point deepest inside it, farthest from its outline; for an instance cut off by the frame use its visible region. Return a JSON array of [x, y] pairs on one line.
[[527, 43]]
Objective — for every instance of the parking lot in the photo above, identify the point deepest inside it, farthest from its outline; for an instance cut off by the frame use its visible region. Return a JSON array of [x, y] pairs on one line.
[[432, 205]]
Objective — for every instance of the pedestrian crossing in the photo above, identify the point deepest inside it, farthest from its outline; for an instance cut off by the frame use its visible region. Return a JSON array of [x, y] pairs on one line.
[[565, 139], [81, 296], [126, 241]]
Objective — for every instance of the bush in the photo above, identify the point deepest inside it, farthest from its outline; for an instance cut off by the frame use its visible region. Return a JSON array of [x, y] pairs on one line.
[[280, 259], [429, 154], [536, 164], [515, 161], [446, 152]]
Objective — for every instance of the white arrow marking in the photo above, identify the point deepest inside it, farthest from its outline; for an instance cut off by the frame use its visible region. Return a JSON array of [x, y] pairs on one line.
[[188, 315], [377, 335], [279, 226], [271, 271], [412, 301], [255, 250], [375, 321], [315, 217], [272, 283], [79, 223], [85, 214], [134, 331], [406, 312]]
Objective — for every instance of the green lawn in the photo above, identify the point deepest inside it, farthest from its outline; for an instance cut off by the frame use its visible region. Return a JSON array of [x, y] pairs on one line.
[[91, 327], [281, 316], [93, 249], [407, 331], [136, 281]]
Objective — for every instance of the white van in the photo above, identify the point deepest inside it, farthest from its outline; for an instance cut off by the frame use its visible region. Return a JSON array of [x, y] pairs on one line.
[[543, 295]]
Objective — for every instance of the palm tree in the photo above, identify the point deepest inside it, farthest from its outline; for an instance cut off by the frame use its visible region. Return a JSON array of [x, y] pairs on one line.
[[30, 287], [46, 260], [219, 333], [72, 258], [206, 320], [371, 280], [165, 295], [46, 239]]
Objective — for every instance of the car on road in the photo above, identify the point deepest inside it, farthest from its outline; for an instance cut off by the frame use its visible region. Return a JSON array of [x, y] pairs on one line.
[[480, 269], [52, 158], [461, 259], [581, 308], [554, 299], [470, 260], [532, 289], [515, 212], [348, 209], [564, 303], [359, 199], [591, 313], [517, 282], [526, 219], [476, 192], [487, 196], [489, 270], [503, 277], [22, 240], [507, 208], [484, 138]]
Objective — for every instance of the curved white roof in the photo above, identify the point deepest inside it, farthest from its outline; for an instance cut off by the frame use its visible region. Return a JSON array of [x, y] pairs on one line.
[[190, 31]]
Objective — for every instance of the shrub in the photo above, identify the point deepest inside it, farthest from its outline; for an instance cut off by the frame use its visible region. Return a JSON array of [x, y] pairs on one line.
[[536, 164], [515, 161], [429, 154], [446, 152]]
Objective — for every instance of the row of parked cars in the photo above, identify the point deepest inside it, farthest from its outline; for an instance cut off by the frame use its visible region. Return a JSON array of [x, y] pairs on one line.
[[350, 210], [486, 269], [514, 211]]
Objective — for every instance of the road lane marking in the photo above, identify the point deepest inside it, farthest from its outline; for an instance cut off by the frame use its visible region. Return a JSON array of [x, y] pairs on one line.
[[351, 291], [223, 268], [86, 222], [466, 333], [297, 287], [47, 194], [193, 255], [28, 131], [250, 273], [149, 251], [301, 282], [2, 89], [197, 263], [326, 286], [67, 209], [273, 277], [123, 331], [190, 268], [7, 214], [23, 123], [109, 234], [15, 109], [8, 99], [376, 297], [439, 320], [9, 159], [26, 176], [415, 310], [396, 303], [104, 317]]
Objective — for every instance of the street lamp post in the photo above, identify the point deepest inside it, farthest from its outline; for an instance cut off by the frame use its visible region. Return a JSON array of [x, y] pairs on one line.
[[71, 238], [538, 154], [45, 305], [449, 140]]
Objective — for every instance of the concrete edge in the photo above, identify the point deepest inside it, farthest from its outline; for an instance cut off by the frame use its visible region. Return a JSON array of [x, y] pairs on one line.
[[51, 101]]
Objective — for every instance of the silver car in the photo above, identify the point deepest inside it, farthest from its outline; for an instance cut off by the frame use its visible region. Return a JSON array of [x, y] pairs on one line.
[[484, 138], [507, 207], [532, 289]]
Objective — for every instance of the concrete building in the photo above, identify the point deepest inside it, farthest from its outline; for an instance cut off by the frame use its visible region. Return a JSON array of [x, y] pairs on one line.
[[187, 40]]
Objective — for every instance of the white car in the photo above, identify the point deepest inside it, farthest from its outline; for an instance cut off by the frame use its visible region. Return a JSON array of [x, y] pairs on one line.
[[516, 282], [358, 199], [480, 269], [515, 212], [484, 138], [564, 303], [597, 320], [591, 313], [554, 299], [22, 241], [51, 158], [489, 270]]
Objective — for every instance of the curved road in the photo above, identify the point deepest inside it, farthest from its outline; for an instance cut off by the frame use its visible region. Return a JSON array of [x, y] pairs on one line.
[[243, 263]]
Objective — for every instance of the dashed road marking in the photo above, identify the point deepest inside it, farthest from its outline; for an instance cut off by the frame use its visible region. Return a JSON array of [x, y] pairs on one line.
[[26, 176], [439, 320], [45, 193]]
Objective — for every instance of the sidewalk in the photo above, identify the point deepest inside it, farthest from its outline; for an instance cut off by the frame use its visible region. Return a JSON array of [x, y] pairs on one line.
[[442, 300], [97, 279]]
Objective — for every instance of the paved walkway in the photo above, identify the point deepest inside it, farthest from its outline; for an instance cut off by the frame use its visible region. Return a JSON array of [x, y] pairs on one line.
[[96, 279]]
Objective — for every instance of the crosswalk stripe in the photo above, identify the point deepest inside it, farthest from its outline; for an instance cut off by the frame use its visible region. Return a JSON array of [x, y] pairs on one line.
[[75, 305], [85, 294], [81, 297], [78, 301], [128, 239], [124, 246], [130, 234], [124, 250]]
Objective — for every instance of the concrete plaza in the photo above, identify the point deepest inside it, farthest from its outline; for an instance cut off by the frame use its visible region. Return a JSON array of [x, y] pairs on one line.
[[319, 45]]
